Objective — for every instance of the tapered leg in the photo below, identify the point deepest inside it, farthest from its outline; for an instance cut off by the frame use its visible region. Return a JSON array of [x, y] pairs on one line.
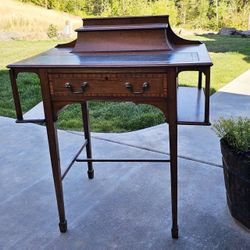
[[174, 176], [54, 150], [200, 80], [207, 95], [18, 108], [172, 121], [85, 116], [56, 170]]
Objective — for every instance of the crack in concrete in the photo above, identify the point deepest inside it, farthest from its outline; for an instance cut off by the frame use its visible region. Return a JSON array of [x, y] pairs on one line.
[[150, 150]]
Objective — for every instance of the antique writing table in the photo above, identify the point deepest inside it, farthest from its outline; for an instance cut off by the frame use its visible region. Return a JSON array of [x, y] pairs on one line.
[[134, 59]]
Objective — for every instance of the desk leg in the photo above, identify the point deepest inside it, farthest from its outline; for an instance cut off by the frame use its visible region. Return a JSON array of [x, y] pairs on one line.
[[207, 95], [54, 149], [13, 79], [174, 176], [200, 80], [56, 170], [85, 116], [172, 121]]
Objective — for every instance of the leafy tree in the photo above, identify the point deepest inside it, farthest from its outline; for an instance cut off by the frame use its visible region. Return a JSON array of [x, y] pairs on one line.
[[193, 13]]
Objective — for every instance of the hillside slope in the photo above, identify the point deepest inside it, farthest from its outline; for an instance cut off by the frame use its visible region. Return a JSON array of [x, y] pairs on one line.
[[26, 21]]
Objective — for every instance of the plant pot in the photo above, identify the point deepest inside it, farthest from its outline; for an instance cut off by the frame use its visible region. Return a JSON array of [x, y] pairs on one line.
[[237, 181]]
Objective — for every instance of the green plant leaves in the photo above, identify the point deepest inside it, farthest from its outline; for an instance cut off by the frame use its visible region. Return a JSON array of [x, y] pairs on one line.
[[235, 132]]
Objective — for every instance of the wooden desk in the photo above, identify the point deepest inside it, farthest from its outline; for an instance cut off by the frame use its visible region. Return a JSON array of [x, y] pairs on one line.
[[134, 59]]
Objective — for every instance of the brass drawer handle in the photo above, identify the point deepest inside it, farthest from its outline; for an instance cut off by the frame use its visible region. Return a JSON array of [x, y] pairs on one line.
[[144, 87], [83, 86]]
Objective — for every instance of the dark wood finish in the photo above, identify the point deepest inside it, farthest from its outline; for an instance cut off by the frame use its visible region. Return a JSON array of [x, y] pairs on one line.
[[36, 121], [13, 78], [85, 115], [200, 80], [207, 94], [111, 39], [134, 59], [121, 160], [172, 121], [54, 149], [105, 85]]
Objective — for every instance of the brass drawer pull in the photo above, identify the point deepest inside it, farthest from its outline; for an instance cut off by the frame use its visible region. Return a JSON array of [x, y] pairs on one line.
[[83, 86], [144, 87]]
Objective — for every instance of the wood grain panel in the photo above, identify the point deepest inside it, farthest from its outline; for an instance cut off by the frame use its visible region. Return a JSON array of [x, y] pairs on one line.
[[109, 84]]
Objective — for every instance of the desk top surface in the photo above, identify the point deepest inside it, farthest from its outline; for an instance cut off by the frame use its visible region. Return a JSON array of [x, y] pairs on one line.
[[63, 57]]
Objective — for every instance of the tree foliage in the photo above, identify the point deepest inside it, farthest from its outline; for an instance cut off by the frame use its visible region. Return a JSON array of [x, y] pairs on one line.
[[193, 13]]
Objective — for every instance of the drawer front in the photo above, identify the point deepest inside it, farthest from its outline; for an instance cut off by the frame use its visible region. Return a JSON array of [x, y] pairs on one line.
[[151, 85]]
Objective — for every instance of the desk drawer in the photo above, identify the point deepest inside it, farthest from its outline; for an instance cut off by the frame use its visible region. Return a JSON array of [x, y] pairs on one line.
[[108, 84]]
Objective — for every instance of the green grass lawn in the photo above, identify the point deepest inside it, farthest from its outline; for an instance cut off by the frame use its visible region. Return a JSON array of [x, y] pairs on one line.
[[230, 55]]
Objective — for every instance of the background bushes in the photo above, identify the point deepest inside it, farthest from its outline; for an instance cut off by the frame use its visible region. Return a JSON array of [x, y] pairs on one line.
[[206, 14]]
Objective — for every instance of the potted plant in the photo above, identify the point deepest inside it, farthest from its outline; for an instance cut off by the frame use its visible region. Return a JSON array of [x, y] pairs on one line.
[[235, 149]]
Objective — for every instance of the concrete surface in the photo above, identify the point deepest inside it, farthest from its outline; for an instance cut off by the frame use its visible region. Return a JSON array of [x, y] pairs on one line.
[[127, 205]]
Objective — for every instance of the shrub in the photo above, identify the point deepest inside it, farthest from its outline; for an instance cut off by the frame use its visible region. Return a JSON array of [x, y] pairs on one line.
[[235, 132], [52, 31]]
